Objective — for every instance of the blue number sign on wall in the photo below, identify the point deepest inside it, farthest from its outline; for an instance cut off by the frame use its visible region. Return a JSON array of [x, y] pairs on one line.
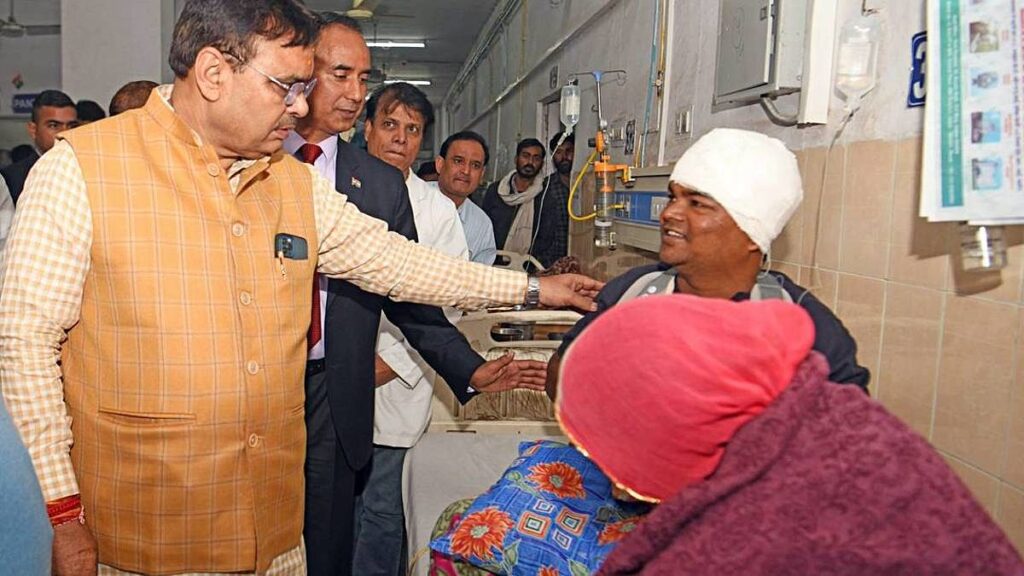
[[918, 51]]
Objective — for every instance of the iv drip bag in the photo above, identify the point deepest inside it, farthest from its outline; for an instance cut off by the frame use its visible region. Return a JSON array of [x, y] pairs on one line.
[[570, 106], [857, 62]]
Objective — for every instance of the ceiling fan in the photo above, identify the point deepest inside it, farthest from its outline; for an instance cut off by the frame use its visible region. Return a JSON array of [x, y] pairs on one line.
[[362, 9], [11, 28]]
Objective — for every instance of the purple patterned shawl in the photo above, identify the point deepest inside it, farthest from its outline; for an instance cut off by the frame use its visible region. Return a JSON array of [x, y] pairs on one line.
[[824, 481]]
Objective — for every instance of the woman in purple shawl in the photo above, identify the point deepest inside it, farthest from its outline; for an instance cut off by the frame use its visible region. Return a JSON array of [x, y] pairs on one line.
[[721, 412]]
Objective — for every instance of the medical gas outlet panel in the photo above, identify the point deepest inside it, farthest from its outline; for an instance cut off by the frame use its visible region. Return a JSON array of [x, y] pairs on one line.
[[636, 222]]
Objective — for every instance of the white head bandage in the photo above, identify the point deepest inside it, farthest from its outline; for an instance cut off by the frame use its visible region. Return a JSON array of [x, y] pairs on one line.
[[755, 178]]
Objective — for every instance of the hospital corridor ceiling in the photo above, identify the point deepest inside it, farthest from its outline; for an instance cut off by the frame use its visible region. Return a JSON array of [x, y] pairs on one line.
[[447, 27]]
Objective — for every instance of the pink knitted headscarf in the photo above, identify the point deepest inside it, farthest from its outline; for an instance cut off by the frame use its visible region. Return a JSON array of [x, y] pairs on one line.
[[655, 388]]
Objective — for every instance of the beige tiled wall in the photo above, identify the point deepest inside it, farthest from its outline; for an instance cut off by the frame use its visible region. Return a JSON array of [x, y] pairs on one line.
[[945, 348]]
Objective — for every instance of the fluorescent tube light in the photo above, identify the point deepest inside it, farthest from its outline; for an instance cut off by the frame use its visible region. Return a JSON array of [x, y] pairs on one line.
[[393, 44], [413, 82]]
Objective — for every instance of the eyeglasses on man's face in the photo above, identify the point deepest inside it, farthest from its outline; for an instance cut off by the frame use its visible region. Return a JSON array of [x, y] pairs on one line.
[[291, 91]]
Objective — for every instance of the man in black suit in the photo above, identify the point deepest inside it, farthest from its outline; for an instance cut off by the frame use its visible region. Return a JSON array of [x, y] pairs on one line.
[[52, 113], [341, 372]]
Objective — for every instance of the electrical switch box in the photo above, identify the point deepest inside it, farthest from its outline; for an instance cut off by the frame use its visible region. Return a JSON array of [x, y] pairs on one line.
[[760, 49]]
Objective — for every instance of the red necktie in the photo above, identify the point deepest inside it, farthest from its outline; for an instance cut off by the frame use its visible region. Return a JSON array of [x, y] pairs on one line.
[[308, 153]]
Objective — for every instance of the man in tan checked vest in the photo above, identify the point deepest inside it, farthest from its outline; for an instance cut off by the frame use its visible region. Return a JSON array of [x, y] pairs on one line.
[[156, 298]]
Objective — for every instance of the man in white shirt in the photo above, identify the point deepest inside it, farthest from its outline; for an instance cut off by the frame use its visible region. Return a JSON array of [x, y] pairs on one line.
[[460, 167], [397, 115]]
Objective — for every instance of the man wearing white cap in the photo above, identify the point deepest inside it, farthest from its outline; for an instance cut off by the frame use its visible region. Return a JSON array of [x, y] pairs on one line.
[[730, 195]]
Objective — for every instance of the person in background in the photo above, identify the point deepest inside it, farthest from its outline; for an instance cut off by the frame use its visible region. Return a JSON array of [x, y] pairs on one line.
[[157, 293], [551, 238], [89, 111], [529, 217], [21, 152], [729, 196], [723, 414], [563, 154], [52, 113], [427, 171], [131, 96], [460, 166]]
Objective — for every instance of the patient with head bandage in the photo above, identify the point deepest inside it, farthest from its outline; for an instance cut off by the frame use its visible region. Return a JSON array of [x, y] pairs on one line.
[[729, 197], [760, 464]]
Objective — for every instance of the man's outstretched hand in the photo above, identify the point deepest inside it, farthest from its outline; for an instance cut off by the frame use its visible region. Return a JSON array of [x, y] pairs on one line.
[[569, 291], [507, 373]]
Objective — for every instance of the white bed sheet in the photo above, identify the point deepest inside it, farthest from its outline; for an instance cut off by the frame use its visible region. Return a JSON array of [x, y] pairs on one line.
[[447, 466]]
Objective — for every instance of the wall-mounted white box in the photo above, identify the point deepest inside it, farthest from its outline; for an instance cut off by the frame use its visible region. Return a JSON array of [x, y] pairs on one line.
[[760, 49]]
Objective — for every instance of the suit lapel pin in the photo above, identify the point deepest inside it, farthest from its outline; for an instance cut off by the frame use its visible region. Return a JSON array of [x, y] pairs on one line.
[[356, 183]]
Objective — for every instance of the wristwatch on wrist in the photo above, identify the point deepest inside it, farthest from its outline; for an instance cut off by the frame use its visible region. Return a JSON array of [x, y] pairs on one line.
[[532, 293]]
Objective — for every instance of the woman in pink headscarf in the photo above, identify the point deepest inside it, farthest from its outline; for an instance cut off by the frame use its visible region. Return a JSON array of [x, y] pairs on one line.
[[760, 466]]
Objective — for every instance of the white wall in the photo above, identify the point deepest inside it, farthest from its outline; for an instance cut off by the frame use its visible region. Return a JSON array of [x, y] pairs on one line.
[[102, 45], [36, 58], [884, 114], [107, 43], [621, 38]]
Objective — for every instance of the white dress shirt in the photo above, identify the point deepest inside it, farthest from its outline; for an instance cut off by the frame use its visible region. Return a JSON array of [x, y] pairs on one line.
[[479, 233], [403, 404], [326, 164]]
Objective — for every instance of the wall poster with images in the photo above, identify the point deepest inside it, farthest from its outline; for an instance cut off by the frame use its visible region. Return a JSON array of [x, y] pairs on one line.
[[973, 167]]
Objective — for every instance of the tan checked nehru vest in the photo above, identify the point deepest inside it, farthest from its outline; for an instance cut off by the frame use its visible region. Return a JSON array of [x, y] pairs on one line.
[[184, 375]]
